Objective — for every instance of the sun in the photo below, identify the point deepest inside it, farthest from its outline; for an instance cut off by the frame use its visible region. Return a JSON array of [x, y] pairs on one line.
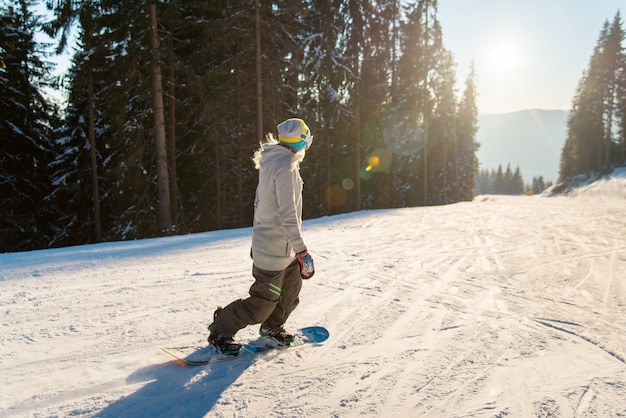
[[503, 57]]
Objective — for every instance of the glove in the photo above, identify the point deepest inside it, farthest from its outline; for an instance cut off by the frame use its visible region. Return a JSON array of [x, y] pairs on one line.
[[307, 269]]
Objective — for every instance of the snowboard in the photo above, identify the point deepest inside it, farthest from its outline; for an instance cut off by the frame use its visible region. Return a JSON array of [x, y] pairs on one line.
[[198, 356]]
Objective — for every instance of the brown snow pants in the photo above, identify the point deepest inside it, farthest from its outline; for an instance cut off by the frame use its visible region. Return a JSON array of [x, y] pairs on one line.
[[273, 296]]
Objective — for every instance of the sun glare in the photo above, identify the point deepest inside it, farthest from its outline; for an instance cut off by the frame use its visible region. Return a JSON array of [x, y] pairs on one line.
[[503, 57]]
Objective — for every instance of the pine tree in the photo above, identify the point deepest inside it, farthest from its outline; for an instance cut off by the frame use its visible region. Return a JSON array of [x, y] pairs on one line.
[[538, 185], [517, 182], [467, 128], [162, 173], [209, 86], [326, 71], [595, 125], [614, 62], [76, 139], [29, 218], [443, 135], [499, 184], [411, 114], [371, 49], [111, 90]]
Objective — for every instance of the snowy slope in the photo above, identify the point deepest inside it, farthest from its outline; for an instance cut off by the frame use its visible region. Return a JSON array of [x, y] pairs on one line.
[[505, 306]]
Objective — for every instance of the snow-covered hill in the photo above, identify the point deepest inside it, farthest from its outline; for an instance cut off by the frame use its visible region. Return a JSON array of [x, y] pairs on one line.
[[505, 306]]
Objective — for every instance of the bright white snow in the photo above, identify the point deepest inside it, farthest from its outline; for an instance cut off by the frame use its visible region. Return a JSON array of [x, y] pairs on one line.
[[505, 306]]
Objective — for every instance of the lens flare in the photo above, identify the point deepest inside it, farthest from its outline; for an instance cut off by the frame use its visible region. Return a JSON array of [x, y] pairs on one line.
[[379, 161], [336, 196], [372, 162], [347, 184]]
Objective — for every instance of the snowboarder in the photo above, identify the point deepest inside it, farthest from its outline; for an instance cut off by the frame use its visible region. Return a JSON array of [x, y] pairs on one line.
[[280, 258]]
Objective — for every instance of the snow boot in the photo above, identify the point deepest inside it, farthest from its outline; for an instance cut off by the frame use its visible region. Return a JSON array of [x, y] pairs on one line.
[[279, 334], [225, 344]]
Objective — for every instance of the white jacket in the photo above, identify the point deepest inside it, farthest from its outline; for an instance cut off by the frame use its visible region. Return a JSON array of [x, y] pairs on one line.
[[276, 234]]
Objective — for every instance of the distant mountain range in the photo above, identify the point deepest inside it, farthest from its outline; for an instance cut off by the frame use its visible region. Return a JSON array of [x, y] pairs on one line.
[[532, 139]]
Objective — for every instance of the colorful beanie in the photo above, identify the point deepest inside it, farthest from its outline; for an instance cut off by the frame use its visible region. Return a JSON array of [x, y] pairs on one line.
[[295, 133]]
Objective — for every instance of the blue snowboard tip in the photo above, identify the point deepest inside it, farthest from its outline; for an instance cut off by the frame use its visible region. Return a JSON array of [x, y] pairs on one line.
[[315, 334]]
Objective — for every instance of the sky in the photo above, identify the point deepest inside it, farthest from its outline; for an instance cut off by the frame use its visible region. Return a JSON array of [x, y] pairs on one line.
[[528, 54]]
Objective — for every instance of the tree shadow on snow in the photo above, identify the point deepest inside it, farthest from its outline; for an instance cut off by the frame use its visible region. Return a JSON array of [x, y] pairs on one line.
[[177, 391]]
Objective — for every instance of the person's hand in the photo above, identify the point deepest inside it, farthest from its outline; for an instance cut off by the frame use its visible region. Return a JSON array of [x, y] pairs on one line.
[[307, 269]]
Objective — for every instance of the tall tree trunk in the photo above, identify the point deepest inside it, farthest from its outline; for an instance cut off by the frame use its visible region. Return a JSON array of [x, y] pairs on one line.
[[357, 152], [425, 162], [240, 147], [164, 216], [457, 176], [218, 188], [327, 190], [445, 169], [609, 126], [394, 51], [172, 140], [92, 152], [259, 84]]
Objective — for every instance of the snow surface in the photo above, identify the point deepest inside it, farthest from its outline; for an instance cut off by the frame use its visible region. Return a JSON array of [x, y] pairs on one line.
[[505, 306]]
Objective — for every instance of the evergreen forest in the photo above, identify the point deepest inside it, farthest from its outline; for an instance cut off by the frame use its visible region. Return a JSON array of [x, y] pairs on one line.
[[508, 182], [164, 103], [167, 101], [596, 127]]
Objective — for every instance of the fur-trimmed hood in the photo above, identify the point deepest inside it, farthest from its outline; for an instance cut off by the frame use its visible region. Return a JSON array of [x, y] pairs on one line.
[[272, 150]]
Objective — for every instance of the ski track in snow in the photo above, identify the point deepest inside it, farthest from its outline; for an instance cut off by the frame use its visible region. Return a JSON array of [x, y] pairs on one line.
[[505, 306]]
